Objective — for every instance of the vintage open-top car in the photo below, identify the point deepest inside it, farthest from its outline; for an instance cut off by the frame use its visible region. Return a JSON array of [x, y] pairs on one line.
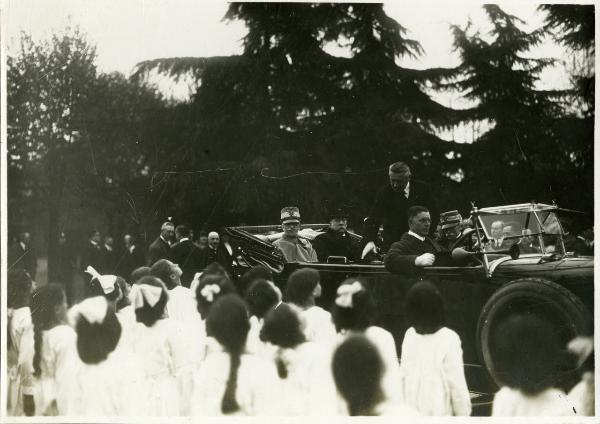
[[532, 273]]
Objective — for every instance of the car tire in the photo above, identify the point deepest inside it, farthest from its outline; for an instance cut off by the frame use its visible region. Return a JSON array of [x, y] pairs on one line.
[[562, 308]]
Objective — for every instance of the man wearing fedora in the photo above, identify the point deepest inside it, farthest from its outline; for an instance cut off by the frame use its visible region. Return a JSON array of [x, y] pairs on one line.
[[335, 241], [294, 248], [391, 205]]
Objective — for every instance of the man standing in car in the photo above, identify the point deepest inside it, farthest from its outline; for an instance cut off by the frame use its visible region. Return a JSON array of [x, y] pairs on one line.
[[391, 205]]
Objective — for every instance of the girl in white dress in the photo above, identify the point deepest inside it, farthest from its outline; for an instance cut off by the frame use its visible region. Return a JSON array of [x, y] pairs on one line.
[[111, 287], [583, 394], [55, 355], [232, 381], [306, 386], [353, 313], [181, 307], [108, 381], [527, 362], [19, 344], [158, 342], [208, 289], [262, 296], [303, 286], [432, 364], [358, 371]]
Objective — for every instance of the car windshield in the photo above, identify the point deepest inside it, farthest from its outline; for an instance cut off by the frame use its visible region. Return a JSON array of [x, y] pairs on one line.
[[515, 225], [523, 228]]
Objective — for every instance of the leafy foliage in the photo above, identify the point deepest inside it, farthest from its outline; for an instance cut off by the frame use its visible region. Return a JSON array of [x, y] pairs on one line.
[[80, 142]]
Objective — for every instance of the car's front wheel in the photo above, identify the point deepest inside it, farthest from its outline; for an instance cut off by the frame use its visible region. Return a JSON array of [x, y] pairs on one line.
[[555, 304]]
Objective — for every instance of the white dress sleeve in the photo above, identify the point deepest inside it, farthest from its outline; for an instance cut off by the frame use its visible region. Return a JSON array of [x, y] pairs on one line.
[[182, 363], [392, 379], [26, 352], [66, 363], [454, 371]]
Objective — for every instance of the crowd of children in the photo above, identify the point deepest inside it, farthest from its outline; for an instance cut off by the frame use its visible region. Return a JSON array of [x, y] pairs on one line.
[[150, 347]]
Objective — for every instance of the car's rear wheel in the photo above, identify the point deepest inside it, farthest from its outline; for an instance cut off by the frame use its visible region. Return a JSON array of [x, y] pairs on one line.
[[555, 304]]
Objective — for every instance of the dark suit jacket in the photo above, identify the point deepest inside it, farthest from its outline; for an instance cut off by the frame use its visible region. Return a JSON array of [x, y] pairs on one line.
[[332, 243], [92, 255], [110, 260], [159, 249], [390, 209], [189, 258], [130, 261], [221, 256], [402, 254]]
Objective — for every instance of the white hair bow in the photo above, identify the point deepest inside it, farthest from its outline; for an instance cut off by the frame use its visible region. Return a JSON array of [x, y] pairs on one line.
[[93, 309], [345, 292], [107, 282], [141, 292], [209, 291]]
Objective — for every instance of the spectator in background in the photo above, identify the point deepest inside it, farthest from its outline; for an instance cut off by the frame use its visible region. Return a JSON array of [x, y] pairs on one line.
[[216, 252], [23, 255], [202, 241], [63, 265], [132, 257], [92, 254], [110, 255], [186, 254], [497, 242], [160, 248]]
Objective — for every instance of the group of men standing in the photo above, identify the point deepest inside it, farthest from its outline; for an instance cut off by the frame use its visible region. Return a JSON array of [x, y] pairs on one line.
[[175, 244]]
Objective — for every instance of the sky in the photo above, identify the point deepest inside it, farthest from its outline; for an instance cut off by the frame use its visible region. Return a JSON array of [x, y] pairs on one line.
[[129, 31]]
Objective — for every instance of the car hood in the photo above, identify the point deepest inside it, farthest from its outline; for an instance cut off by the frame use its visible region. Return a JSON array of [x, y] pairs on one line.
[[579, 268]]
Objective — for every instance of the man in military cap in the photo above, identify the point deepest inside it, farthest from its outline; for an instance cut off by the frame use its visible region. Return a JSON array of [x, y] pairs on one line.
[[294, 248], [450, 226], [335, 241]]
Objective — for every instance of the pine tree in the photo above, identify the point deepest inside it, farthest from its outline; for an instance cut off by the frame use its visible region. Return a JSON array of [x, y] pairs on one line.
[[498, 76], [287, 105]]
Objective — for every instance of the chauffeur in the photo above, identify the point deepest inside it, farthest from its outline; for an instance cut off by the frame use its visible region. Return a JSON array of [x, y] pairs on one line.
[[415, 249], [294, 248]]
